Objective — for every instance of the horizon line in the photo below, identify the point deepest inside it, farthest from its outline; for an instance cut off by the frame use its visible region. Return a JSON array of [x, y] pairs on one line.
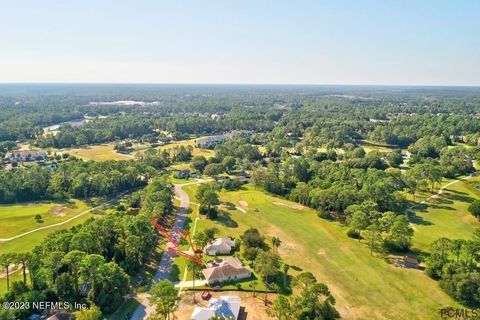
[[242, 84]]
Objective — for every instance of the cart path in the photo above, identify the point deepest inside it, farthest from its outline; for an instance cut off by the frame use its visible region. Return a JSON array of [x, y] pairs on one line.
[[63, 222], [440, 191], [435, 196]]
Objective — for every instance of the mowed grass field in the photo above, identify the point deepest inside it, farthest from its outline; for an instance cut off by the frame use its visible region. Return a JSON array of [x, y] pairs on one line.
[[19, 218], [447, 216], [16, 276], [365, 287], [101, 152], [207, 153], [29, 241]]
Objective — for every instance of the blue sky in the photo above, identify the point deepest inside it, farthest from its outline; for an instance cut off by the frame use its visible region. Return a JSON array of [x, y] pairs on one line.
[[412, 42]]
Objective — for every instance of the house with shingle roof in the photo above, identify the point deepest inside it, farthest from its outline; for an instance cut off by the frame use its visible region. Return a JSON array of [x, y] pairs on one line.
[[227, 307], [227, 269], [220, 246]]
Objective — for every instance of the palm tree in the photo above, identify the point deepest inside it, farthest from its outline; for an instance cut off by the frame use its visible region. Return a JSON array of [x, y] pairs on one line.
[[5, 261], [252, 285], [286, 266], [276, 242], [23, 259]]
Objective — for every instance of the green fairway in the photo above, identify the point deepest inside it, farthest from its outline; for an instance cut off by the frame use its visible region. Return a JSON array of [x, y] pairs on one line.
[[365, 287], [16, 276], [447, 216], [31, 240], [207, 153], [19, 218]]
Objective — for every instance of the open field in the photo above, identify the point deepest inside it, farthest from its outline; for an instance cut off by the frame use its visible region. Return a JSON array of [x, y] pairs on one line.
[[28, 242], [369, 146], [16, 276], [447, 216], [19, 218], [191, 142], [101, 152], [364, 286]]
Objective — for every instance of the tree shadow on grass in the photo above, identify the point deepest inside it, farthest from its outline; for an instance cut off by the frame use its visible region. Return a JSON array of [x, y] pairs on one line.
[[420, 207], [174, 274], [456, 191], [443, 200], [419, 220], [296, 268], [225, 218], [434, 206], [462, 198], [229, 205]]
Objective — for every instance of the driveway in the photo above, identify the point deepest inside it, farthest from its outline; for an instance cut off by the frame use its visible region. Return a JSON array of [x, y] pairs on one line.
[[165, 264]]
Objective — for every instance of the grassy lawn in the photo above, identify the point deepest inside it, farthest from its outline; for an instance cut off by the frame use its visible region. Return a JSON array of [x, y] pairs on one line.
[[365, 287], [190, 142], [369, 146], [423, 195], [191, 190], [19, 218], [28, 242], [102, 152], [447, 216], [16, 276], [128, 307]]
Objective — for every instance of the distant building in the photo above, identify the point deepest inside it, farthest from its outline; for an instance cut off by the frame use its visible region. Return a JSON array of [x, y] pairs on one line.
[[211, 141], [182, 174], [26, 155], [410, 262], [227, 269], [227, 307], [220, 246], [60, 315]]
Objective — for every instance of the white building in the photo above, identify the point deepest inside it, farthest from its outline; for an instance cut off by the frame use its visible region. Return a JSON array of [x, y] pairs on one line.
[[26, 155], [211, 141], [227, 307], [220, 246]]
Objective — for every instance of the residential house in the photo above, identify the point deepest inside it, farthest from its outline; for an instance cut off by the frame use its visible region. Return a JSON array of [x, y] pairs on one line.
[[220, 246], [410, 262], [211, 141], [227, 307], [227, 269], [182, 174], [26, 155], [60, 315]]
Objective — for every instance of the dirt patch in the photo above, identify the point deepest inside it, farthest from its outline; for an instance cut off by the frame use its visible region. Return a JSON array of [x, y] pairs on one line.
[[291, 206], [58, 211], [253, 308], [243, 203], [288, 247], [321, 252], [31, 205]]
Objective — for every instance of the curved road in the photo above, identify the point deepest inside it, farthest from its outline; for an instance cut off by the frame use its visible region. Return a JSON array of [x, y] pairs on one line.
[[165, 264]]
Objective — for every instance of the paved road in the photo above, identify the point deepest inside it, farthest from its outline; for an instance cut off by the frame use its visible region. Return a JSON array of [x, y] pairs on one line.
[[165, 263]]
